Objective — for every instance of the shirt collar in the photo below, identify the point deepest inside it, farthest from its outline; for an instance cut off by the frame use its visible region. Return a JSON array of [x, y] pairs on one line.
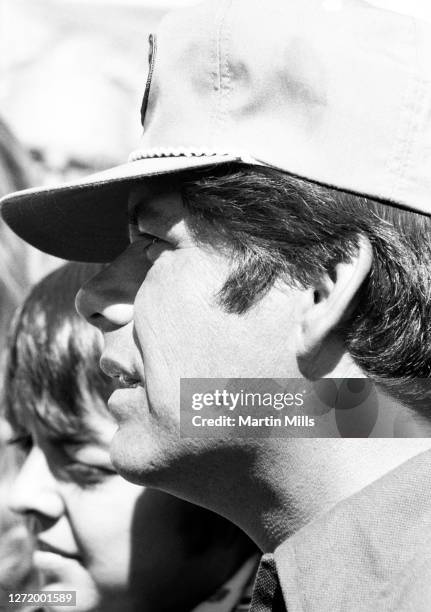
[[357, 551]]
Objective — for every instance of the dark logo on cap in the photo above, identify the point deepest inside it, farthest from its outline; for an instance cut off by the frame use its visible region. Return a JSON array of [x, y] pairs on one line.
[[151, 61]]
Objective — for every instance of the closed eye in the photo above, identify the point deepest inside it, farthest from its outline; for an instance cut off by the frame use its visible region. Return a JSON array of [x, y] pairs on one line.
[[24, 442], [86, 474]]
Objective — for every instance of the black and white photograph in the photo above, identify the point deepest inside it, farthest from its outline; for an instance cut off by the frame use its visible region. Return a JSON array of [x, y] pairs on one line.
[[215, 290]]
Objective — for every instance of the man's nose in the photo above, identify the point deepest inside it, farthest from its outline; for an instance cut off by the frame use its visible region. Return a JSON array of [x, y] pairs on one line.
[[107, 299], [35, 490]]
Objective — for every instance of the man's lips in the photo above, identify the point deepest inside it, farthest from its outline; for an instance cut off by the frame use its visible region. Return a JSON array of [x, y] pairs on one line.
[[45, 547], [126, 377], [124, 402]]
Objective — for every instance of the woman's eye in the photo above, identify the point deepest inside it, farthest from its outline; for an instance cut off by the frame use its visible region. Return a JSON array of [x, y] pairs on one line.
[[24, 442], [87, 475], [84, 464]]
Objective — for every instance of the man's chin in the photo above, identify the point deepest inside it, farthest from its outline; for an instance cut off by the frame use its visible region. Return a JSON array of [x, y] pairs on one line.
[[146, 457], [133, 455]]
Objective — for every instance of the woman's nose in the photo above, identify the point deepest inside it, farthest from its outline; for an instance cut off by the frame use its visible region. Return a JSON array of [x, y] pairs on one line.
[[35, 490]]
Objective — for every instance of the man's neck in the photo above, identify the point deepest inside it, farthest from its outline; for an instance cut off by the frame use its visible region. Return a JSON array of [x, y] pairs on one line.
[[272, 487], [296, 480]]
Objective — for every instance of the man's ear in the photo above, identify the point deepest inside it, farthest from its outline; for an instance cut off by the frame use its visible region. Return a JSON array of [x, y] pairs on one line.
[[331, 299]]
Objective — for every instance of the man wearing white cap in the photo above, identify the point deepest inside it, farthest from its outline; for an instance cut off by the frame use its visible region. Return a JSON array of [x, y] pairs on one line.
[[274, 223]]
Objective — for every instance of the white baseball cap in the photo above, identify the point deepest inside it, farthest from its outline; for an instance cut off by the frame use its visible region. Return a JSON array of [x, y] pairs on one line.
[[337, 92]]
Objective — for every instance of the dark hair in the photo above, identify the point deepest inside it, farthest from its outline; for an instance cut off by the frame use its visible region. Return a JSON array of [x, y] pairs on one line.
[[276, 225], [52, 357]]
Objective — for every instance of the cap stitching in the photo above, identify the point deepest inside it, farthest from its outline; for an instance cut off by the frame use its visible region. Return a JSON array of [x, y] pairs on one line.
[[175, 152]]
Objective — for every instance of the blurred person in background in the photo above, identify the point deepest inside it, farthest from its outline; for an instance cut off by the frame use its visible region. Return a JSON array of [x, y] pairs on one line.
[[120, 547], [15, 544], [15, 173]]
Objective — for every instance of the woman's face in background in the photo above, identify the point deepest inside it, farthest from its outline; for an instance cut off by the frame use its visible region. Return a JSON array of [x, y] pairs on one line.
[[80, 510], [118, 545]]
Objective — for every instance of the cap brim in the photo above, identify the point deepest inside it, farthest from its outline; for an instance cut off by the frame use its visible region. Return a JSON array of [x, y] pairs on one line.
[[86, 220]]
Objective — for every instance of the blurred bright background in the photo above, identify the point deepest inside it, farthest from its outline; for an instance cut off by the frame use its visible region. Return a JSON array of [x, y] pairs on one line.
[[72, 74]]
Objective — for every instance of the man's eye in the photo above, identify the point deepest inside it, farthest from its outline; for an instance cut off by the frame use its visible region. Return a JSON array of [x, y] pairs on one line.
[[150, 240], [136, 235]]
